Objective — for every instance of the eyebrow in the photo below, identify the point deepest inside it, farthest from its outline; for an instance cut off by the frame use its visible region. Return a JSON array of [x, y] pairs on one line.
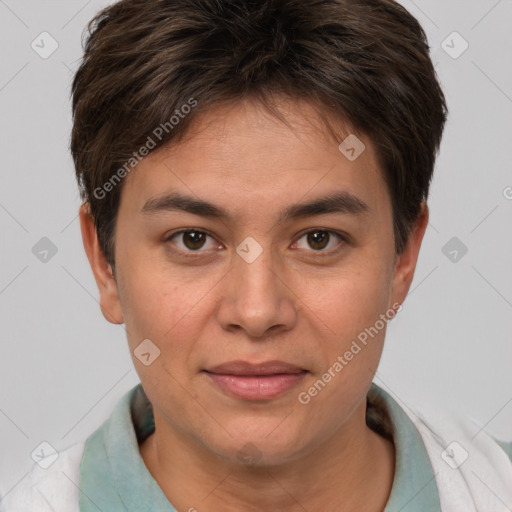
[[340, 202]]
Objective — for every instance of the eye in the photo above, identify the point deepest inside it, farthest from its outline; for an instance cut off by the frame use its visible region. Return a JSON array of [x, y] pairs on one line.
[[319, 239], [195, 240], [191, 240]]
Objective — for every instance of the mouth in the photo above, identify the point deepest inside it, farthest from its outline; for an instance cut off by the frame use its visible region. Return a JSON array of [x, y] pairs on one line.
[[255, 382]]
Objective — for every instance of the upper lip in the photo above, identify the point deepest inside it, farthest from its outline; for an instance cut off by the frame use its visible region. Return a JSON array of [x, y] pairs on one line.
[[246, 368]]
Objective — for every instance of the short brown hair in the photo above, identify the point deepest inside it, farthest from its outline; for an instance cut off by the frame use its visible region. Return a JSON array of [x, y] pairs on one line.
[[365, 61]]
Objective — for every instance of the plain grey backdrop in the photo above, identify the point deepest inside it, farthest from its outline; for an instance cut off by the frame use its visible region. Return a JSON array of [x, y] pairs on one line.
[[63, 367]]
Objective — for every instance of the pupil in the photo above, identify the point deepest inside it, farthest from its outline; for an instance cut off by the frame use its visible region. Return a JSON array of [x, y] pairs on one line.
[[196, 238], [318, 239]]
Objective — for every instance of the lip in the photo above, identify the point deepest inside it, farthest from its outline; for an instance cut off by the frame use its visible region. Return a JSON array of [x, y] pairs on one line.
[[244, 368], [262, 381]]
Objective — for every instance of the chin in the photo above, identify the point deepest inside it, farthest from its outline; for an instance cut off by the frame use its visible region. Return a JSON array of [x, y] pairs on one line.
[[260, 450]]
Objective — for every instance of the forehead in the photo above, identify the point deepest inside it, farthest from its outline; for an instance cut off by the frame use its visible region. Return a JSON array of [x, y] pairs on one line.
[[243, 159]]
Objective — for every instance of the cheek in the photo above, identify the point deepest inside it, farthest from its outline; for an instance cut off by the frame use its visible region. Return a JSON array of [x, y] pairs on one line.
[[160, 305], [352, 309], [350, 301], [168, 314]]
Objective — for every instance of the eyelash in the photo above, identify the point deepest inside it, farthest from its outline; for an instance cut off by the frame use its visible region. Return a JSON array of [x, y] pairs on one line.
[[193, 254]]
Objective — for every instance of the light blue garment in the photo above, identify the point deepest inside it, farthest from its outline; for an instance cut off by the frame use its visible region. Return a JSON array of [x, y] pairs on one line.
[[113, 476]]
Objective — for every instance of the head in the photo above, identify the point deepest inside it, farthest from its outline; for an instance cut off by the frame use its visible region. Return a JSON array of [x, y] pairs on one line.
[[254, 178]]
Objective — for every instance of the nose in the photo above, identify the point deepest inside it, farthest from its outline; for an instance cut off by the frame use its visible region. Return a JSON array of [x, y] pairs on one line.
[[258, 297]]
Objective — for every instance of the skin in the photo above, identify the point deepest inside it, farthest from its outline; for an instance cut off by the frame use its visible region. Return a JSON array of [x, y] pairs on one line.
[[296, 303]]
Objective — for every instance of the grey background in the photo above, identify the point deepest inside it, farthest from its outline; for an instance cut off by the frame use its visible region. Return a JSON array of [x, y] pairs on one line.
[[63, 367]]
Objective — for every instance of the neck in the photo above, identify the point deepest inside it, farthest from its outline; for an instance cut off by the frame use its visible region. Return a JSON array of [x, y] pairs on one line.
[[352, 470]]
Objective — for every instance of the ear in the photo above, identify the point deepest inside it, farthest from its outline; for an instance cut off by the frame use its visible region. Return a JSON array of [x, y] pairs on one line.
[[102, 270], [405, 264]]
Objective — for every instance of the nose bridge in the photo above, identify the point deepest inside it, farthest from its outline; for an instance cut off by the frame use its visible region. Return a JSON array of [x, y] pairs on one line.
[[256, 299], [255, 274]]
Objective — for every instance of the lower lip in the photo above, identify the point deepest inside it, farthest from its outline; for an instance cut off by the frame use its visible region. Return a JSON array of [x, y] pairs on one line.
[[257, 387]]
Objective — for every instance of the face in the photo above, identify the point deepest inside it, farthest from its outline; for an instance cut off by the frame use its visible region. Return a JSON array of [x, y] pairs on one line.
[[255, 300]]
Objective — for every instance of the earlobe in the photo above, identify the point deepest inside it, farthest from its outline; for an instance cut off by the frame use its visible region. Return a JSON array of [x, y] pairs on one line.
[[102, 270], [406, 261]]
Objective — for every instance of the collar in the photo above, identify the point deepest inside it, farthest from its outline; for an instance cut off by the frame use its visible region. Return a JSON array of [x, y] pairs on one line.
[[113, 475]]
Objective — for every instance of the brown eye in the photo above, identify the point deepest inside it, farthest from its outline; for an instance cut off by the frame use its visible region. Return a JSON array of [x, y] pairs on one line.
[[319, 239], [191, 240]]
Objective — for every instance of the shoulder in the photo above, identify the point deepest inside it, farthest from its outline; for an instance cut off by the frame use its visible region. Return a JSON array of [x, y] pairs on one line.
[[471, 468], [47, 490]]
